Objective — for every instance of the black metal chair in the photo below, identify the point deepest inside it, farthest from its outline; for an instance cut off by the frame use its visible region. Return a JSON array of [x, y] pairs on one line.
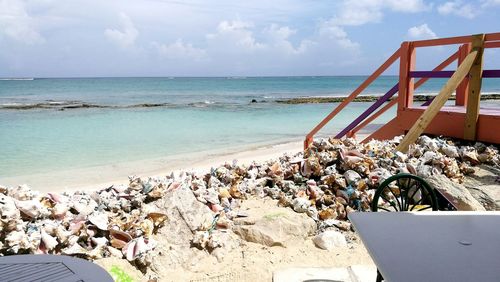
[[403, 192]]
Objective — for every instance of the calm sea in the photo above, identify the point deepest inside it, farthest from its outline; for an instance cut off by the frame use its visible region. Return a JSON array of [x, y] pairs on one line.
[[119, 124]]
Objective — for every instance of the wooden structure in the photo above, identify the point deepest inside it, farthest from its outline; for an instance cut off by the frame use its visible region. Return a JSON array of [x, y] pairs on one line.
[[465, 120]]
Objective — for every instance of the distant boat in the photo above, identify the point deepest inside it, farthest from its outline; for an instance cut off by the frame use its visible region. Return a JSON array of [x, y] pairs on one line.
[[18, 78]]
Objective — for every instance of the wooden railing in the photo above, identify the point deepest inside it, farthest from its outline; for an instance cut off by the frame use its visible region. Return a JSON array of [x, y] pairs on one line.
[[354, 94], [406, 85]]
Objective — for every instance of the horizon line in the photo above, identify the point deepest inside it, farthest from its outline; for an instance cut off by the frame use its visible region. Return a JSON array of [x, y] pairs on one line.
[[173, 77]]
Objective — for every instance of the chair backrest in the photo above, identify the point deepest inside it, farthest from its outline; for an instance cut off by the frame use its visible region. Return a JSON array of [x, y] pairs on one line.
[[404, 192]]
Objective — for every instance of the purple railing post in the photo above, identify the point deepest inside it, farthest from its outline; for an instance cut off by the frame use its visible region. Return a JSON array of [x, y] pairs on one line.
[[369, 111]]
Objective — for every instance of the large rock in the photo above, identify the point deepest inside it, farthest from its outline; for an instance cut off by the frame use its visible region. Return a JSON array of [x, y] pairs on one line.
[[484, 198], [456, 193], [270, 225], [185, 214], [182, 202], [330, 240], [484, 185]]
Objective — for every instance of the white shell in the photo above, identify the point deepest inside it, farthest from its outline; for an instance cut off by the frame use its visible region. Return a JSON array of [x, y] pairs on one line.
[[49, 241], [100, 220]]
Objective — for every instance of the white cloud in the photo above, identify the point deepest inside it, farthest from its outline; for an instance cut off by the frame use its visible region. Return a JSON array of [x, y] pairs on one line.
[[125, 37], [237, 33], [458, 8], [235, 36], [279, 39], [16, 23], [244, 48], [490, 3], [407, 6], [359, 12], [421, 32], [180, 50], [333, 31]]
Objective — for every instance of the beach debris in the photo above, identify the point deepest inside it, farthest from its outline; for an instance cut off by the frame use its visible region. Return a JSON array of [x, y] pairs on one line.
[[329, 240], [9, 214], [324, 184]]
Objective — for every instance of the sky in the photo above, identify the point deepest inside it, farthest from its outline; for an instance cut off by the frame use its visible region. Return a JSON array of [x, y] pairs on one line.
[[109, 38]]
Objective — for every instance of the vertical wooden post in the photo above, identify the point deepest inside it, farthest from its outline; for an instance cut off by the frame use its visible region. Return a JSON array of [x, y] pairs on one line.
[[403, 75], [411, 81], [406, 83], [463, 88], [475, 80]]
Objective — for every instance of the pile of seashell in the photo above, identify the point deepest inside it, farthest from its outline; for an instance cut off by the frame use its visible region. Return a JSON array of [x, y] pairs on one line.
[[327, 181], [113, 221]]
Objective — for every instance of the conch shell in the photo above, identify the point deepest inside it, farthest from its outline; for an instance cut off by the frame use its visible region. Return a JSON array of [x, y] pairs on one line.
[[30, 208], [158, 218], [100, 220], [119, 238], [9, 214], [75, 249], [137, 247], [59, 210], [49, 242]]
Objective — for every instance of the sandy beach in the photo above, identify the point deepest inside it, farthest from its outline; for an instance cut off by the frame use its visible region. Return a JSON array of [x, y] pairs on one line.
[[93, 178], [239, 223]]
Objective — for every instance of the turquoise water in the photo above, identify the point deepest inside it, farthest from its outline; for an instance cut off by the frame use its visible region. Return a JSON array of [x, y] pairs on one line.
[[202, 114]]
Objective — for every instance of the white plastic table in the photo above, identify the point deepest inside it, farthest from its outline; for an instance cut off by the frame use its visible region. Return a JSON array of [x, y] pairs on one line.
[[50, 268], [432, 246]]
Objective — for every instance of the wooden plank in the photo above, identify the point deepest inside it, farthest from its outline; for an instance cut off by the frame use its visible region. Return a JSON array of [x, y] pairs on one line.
[[493, 44], [492, 36], [406, 65], [491, 73], [432, 74], [431, 111], [454, 40], [403, 74], [448, 74], [410, 82], [463, 87], [443, 41], [475, 80]]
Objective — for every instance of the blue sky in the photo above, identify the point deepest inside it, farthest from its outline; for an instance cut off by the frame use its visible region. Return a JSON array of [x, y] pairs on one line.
[[73, 38]]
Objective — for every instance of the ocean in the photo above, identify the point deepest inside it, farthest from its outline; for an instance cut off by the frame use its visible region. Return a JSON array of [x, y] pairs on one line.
[[50, 124]]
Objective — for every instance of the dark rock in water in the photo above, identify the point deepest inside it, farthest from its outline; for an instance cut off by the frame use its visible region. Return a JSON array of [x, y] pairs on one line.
[[366, 98], [254, 101]]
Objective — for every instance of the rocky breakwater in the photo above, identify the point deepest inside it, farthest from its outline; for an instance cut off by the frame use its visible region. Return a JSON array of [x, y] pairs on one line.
[[165, 222]]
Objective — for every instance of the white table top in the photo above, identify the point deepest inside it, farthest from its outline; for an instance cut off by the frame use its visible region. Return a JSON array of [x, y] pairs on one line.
[[432, 246]]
